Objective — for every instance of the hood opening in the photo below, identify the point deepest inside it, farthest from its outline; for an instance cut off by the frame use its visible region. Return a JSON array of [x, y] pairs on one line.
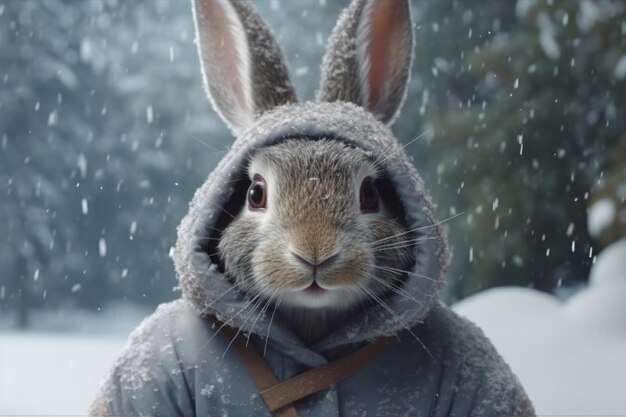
[[388, 193], [232, 205], [396, 208], [235, 201]]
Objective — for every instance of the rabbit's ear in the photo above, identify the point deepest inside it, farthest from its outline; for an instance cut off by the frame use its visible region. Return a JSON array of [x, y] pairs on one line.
[[244, 70], [368, 57]]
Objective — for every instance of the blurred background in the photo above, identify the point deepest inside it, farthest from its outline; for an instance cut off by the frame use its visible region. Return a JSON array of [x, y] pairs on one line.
[[105, 133]]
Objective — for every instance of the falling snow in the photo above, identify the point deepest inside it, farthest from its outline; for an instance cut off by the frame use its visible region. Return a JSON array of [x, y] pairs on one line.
[[601, 216], [619, 71], [102, 247], [100, 105], [82, 165]]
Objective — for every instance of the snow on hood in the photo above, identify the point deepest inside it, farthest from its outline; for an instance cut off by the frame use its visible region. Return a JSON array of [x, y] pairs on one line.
[[201, 276]]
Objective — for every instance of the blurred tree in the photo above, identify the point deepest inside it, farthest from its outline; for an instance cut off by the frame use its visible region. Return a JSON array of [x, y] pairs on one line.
[[607, 217], [97, 164], [34, 158], [521, 141]]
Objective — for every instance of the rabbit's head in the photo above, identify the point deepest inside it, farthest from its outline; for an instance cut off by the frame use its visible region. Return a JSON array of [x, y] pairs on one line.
[[319, 228], [314, 220]]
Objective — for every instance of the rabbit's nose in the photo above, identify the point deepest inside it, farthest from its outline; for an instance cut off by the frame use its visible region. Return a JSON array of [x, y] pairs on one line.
[[315, 263]]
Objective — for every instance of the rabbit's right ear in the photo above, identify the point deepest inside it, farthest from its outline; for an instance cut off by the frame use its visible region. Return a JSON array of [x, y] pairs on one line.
[[244, 70], [368, 57]]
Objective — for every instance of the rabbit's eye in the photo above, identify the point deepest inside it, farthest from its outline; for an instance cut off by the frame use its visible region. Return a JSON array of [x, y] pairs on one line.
[[369, 196], [257, 193]]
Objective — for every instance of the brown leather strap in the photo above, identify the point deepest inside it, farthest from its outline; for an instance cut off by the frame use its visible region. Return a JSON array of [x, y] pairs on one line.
[[317, 379], [280, 396], [257, 368]]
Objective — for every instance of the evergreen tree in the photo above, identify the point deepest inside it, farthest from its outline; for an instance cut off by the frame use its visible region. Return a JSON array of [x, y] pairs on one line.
[[520, 151], [97, 162]]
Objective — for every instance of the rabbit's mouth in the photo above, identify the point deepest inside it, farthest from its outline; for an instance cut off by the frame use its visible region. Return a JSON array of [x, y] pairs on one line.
[[314, 289], [317, 297]]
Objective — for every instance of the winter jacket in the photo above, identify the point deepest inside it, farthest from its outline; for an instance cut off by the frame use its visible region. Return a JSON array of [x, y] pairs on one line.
[[177, 363]]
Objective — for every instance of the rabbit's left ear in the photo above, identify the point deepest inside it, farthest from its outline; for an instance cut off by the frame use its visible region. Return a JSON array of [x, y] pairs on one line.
[[244, 70], [368, 57]]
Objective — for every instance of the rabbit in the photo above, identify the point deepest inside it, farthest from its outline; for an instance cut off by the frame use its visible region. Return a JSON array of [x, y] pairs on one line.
[[314, 238]]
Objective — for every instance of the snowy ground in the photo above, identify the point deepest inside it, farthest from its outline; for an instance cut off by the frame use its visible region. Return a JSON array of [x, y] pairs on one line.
[[570, 356], [55, 368], [52, 374]]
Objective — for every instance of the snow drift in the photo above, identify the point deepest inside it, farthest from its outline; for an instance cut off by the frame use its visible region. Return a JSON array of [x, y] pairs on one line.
[[570, 356]]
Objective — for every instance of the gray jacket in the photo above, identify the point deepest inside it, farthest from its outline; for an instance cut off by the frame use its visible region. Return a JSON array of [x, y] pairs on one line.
[[178, 363]]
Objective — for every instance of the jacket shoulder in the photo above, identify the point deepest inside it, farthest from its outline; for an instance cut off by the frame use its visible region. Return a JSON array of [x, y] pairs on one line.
[[152, 375], [478, 367]]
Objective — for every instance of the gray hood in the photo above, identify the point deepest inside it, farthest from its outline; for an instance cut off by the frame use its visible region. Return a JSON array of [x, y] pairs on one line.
[[201, 277]]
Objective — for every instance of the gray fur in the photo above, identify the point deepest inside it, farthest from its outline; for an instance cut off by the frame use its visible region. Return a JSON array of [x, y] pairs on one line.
[[268, 76], [345, 65]]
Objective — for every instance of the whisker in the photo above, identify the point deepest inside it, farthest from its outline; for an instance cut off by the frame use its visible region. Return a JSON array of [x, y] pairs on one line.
[[397, 317], [259, 299], [263, 310], [269, 328], [246, 305], [406, 245], [416, 240], [210, 146], [208, 306], [396, 289], [388, 248], [384, 305], [254, 308], [402, 271], [417, 229], [253, 302], [380, 160], [225, 211], [209, 238]]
